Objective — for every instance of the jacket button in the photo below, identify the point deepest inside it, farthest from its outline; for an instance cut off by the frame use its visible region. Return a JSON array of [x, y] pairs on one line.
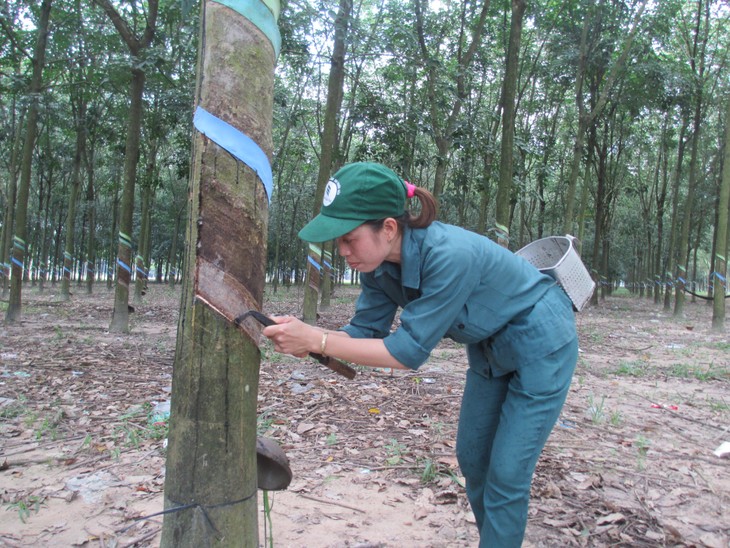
[[461, 326]]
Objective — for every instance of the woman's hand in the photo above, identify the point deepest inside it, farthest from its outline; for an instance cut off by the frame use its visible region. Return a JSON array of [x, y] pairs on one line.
[[292, 336]]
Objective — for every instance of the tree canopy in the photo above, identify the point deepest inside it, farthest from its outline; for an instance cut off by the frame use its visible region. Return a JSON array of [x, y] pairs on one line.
[[618, 114]]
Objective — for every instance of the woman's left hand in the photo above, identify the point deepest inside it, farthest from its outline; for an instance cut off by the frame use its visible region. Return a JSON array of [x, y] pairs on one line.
[[292, 336]]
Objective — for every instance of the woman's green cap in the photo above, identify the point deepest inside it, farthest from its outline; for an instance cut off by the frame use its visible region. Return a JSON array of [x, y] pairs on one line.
[[359, 192]]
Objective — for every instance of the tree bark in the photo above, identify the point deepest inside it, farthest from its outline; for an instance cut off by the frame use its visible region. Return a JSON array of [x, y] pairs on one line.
[[6, 245], [91, 222], [211, 483], [136, 45], [697, 63], [13, 312], [504, 190], [72, 201], [328, 147], [443, 132], [586, 118], [719, 276]]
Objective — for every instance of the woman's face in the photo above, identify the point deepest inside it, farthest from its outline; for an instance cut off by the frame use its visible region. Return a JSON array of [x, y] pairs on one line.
[[366, 247]]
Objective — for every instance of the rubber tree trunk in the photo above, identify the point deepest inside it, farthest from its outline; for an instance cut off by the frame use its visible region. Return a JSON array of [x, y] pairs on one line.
[[211, 483], [91, 223], [136, 46], [719, 276], [509, 91], [661, 197], [683, 244], [587, 118], [44, 212], [141, 261], [674, 229], [444, 125], [112, 234], [68, 261], [328, 147], [9, 218], [120, 316], [21, 209], [172, 257], [697, 64]]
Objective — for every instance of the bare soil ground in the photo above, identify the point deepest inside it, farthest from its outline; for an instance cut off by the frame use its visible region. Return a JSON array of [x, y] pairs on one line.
[[630, 463]]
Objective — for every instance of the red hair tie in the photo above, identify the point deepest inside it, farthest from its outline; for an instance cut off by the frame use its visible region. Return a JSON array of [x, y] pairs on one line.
[[410, 189]]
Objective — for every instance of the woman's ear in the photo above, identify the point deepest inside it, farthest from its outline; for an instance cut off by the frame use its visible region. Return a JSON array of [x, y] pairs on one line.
[[390, 226]]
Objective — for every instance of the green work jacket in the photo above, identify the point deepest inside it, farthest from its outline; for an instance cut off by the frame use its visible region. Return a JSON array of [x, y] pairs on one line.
[[455, 283]]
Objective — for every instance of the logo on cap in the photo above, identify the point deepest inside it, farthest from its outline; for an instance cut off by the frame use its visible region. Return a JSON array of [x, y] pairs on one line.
[[330, 192]]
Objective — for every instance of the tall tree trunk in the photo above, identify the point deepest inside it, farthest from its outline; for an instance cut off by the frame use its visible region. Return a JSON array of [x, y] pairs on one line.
[[141, 261], [110, 266], [719, 276], [120, 316], [328, 146], [9, 218], [172, 258], [443, 132], [600, 237], [697, 64], [585, 117], [683, 244], [672, 258], [45, 214], [211, 458], [661, 198], [136, 45], [68, 260], [91, 222], [583, 208], [13, 312], [509, 90]]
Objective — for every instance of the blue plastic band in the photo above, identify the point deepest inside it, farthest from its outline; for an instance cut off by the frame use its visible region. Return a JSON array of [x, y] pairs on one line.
[[274, 6], [313, 262], [124, 265], [328, 265], [16, 262], [19, 243], [239, 145], [682, 280], [260, 15], [719, 276]]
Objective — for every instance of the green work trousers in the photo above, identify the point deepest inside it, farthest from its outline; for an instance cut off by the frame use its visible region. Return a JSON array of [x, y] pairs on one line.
[[504, 424]]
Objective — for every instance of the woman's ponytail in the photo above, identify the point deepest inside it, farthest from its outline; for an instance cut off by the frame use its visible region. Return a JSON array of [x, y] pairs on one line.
[[429, 209]]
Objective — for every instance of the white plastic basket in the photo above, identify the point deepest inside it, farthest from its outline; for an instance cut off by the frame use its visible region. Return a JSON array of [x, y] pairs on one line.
[[557, 256]]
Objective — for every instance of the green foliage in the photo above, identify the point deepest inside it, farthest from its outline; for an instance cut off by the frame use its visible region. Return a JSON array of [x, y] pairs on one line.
[[596, 409], [635, 368], [27, 506], [386, 115], [394, 451], [141, 423]]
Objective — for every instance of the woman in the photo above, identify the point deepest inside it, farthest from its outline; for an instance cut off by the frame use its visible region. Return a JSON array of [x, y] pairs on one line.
[[518, 326]]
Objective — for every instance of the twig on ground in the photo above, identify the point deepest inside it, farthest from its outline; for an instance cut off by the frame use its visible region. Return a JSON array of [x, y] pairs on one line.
[[333, 502]]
